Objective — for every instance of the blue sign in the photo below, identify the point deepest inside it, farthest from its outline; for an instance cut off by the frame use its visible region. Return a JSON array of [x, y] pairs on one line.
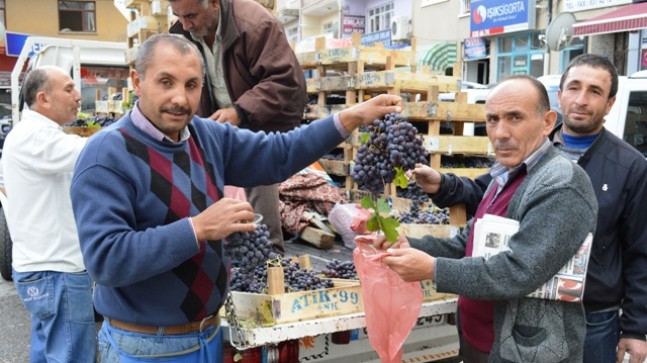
[[490, 17], [474, 48], [383, 36], [14, 42]]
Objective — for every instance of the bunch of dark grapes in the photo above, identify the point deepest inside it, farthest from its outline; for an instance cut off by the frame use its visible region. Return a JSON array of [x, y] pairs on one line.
[[253, 280], [392, 142], [295, 278], [414, 192], [340, 269], [432, 215], [250, 249]]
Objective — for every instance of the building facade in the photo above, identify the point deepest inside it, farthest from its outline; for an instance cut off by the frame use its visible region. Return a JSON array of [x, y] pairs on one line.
[[75, 19], [487, 39]]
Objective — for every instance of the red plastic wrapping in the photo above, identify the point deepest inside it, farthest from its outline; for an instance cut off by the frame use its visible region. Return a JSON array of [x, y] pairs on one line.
[[392, 305]]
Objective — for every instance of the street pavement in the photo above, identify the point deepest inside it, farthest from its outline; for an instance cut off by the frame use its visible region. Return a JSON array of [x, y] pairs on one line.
[[14, 326]]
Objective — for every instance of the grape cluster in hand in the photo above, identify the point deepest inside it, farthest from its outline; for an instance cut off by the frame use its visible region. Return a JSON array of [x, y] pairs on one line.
[[250, 249], [392, 142], [340, 269]]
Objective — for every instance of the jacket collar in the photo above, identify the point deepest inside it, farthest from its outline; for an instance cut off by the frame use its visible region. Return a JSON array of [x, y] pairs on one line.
[[556, 138]]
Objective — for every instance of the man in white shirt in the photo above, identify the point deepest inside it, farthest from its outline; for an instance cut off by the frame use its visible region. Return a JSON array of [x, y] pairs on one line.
[[48, 270]]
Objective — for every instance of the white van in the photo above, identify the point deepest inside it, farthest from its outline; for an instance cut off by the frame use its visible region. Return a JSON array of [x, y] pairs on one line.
[[628, 116]]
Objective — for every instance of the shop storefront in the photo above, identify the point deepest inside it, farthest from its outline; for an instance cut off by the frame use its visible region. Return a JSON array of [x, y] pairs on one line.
[[510, 24]]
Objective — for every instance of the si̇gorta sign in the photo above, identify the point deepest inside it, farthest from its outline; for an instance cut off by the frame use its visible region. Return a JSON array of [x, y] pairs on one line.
[[14, 43], [492, 17]]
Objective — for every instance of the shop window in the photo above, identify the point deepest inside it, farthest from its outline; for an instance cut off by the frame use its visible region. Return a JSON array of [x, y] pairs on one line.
[[575, 48], [77, 16], [379, 17], [505, 45], [465, 7], [519, 54]]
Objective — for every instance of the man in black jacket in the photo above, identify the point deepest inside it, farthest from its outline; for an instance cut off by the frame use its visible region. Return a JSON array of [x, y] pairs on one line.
[[615, 296]]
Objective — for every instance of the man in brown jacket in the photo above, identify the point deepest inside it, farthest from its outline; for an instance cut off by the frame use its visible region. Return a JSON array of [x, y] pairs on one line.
[[253, 79]]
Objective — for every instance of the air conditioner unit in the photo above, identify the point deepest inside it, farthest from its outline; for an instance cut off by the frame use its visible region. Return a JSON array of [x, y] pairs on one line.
[[400, 27]]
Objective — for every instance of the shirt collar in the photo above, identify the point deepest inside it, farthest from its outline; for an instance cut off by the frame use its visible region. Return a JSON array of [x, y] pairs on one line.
[[501, 174], [39, 117], [142, 123]]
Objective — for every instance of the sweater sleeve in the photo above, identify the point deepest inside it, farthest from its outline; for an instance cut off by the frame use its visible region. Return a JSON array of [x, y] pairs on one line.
[[253, 159], [461, 190]]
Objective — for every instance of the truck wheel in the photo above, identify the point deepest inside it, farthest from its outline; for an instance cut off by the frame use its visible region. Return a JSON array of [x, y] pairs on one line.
[[5, 248]]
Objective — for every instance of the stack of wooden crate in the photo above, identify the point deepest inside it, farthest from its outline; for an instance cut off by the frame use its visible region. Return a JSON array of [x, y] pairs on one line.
[[108, 105], [148, 17], [361, 72]]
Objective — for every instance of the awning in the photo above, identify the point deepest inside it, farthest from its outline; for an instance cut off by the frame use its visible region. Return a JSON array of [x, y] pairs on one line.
[[630, 17], [441, 56]]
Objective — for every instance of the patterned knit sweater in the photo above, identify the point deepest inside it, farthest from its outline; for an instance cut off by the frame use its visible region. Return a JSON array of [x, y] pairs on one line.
[[556, 209], [132, 197]]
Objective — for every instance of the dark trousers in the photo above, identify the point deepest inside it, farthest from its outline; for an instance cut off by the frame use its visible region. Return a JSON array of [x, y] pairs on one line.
[[602, 336]]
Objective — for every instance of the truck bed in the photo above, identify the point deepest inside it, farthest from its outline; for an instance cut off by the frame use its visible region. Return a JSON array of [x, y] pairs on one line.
[[318, 257]]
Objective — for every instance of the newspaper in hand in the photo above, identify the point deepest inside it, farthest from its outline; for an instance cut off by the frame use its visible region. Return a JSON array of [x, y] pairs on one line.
[[491, 236]]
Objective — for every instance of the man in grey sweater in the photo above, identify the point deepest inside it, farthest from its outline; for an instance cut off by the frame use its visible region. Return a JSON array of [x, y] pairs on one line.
[[552, 199]]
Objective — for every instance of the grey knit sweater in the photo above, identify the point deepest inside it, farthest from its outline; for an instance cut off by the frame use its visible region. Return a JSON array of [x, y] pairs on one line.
[[556, 208]]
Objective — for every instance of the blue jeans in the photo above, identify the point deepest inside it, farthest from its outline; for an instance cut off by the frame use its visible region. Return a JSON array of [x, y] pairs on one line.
[[62, 315], [121, 346], [602, 336]]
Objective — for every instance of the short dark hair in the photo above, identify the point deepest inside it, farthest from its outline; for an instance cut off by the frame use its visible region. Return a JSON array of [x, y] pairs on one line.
[[147, 50], [594, 61], [36, 80], [544, 102]]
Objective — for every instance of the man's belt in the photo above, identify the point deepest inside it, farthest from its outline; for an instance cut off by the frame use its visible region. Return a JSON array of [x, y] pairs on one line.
[[192, 327]]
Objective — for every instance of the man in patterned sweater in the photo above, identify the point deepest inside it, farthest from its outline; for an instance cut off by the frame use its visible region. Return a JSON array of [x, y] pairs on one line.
[[147, 197]]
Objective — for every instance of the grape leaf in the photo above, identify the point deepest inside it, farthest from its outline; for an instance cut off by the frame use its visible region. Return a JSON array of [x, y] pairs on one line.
[[367, 202], [382, 206], [373, 223], [363, 137], [389, 227], [400, 178]]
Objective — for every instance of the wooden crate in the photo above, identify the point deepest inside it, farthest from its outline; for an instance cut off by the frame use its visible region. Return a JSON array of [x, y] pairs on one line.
[[316, 112], [335, 167], [468, 145], [267, 310], [445, 111], [471, 173], [405, 81], [435, 230], [429, 292]]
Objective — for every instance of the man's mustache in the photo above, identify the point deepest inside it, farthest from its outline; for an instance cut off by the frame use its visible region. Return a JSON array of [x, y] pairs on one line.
[[176, 110]]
